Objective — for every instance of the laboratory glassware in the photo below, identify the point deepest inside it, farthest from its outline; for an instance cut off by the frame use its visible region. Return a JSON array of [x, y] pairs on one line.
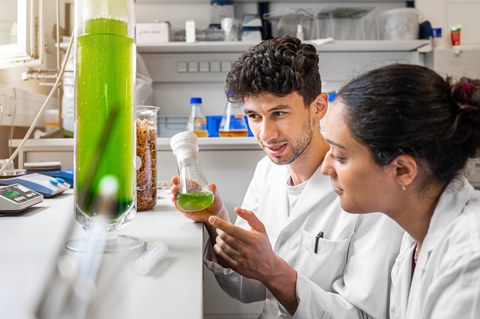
[[104, 119], [193, 192], [197, 122], [146, 124], [233, 121]]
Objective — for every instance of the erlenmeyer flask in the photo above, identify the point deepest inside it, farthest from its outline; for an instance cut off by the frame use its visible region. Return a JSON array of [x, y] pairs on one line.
[[233, 121], [194, 193]]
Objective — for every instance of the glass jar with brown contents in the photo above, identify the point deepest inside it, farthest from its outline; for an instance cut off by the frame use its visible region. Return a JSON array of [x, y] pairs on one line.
[[146, 123]]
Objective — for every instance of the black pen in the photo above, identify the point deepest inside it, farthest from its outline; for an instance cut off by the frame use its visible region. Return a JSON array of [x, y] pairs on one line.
[[319, 235]]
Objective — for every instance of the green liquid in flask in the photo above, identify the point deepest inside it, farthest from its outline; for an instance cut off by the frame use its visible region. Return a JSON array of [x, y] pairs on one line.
[[105, 79], [192, 202]]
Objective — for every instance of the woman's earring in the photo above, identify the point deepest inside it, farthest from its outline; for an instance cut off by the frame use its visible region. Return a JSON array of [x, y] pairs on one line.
[[403, 187]]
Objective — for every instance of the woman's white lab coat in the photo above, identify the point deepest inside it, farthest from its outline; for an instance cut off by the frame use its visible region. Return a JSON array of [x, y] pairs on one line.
[[348, 276], [446, 280]]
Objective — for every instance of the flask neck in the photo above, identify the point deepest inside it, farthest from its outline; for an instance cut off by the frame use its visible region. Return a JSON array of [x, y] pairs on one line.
[[189, 171], [186, 156], [197, 109]]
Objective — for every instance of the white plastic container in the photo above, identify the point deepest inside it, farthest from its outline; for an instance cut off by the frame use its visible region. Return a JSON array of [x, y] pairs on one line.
[[152, 33], [68, 96], [190, 31], [399, 24], [51, 120]]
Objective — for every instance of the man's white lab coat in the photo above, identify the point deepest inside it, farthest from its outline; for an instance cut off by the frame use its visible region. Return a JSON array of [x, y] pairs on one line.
[[446, 280], [348, 276]]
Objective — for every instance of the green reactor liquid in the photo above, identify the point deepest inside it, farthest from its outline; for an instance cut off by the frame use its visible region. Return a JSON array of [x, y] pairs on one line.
[[192, 202], [104, 81]]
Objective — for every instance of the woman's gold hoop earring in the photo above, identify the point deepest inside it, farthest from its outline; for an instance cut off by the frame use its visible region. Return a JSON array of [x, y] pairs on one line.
[[403, 187]]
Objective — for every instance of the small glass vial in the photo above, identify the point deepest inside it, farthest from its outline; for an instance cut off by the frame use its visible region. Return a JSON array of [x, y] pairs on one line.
[[146, 123], [193, 193], [233, 121], [197, 122]]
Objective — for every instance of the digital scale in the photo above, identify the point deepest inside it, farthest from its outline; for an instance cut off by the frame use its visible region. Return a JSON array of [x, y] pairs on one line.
[[65, 174], [46, 185], [53, 169], [15, 198]]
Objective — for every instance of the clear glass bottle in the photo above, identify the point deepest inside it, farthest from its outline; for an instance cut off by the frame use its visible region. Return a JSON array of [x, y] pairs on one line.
[[233, 121], [197, 122], [194, 193], [146, 156]]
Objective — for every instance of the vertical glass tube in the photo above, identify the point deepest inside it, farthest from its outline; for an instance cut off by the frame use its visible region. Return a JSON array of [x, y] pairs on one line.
[[104, 121]]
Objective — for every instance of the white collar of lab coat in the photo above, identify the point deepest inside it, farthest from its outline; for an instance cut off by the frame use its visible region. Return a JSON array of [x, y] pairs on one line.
[[450, 205], [318, 186]]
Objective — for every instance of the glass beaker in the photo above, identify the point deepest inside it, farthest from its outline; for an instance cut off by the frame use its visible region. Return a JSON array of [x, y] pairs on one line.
[[104, 115], [193, 192], [146, 124]]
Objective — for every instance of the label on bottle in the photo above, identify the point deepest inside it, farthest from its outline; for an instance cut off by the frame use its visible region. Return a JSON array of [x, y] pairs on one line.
[[200, 121]]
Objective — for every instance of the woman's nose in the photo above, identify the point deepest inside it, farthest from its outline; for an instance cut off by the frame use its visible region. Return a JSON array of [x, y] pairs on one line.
[[326, 167]]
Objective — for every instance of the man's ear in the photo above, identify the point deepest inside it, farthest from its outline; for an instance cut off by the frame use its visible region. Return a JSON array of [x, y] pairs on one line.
[[320, 106], [405, 170]]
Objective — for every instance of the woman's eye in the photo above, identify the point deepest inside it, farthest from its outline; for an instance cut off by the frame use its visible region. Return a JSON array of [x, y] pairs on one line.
[[337, 158]]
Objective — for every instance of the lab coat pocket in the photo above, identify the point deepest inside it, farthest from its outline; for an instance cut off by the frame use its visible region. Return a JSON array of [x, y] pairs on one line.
[[326, 264]]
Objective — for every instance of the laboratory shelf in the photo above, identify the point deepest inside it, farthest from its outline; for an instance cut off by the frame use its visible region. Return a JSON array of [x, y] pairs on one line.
[[322, 46]]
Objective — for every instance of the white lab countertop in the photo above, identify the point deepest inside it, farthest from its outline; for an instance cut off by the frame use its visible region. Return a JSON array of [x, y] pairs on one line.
[[173, 289]]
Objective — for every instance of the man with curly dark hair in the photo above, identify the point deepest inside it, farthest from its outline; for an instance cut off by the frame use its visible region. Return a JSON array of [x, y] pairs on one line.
[[293, 245]]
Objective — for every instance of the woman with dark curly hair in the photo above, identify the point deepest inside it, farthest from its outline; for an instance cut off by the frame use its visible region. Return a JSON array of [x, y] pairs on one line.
[[400, 137], [292, 246]]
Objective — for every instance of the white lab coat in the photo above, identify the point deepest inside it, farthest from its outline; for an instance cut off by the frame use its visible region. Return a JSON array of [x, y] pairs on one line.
[[348, 277], [446, 281]]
